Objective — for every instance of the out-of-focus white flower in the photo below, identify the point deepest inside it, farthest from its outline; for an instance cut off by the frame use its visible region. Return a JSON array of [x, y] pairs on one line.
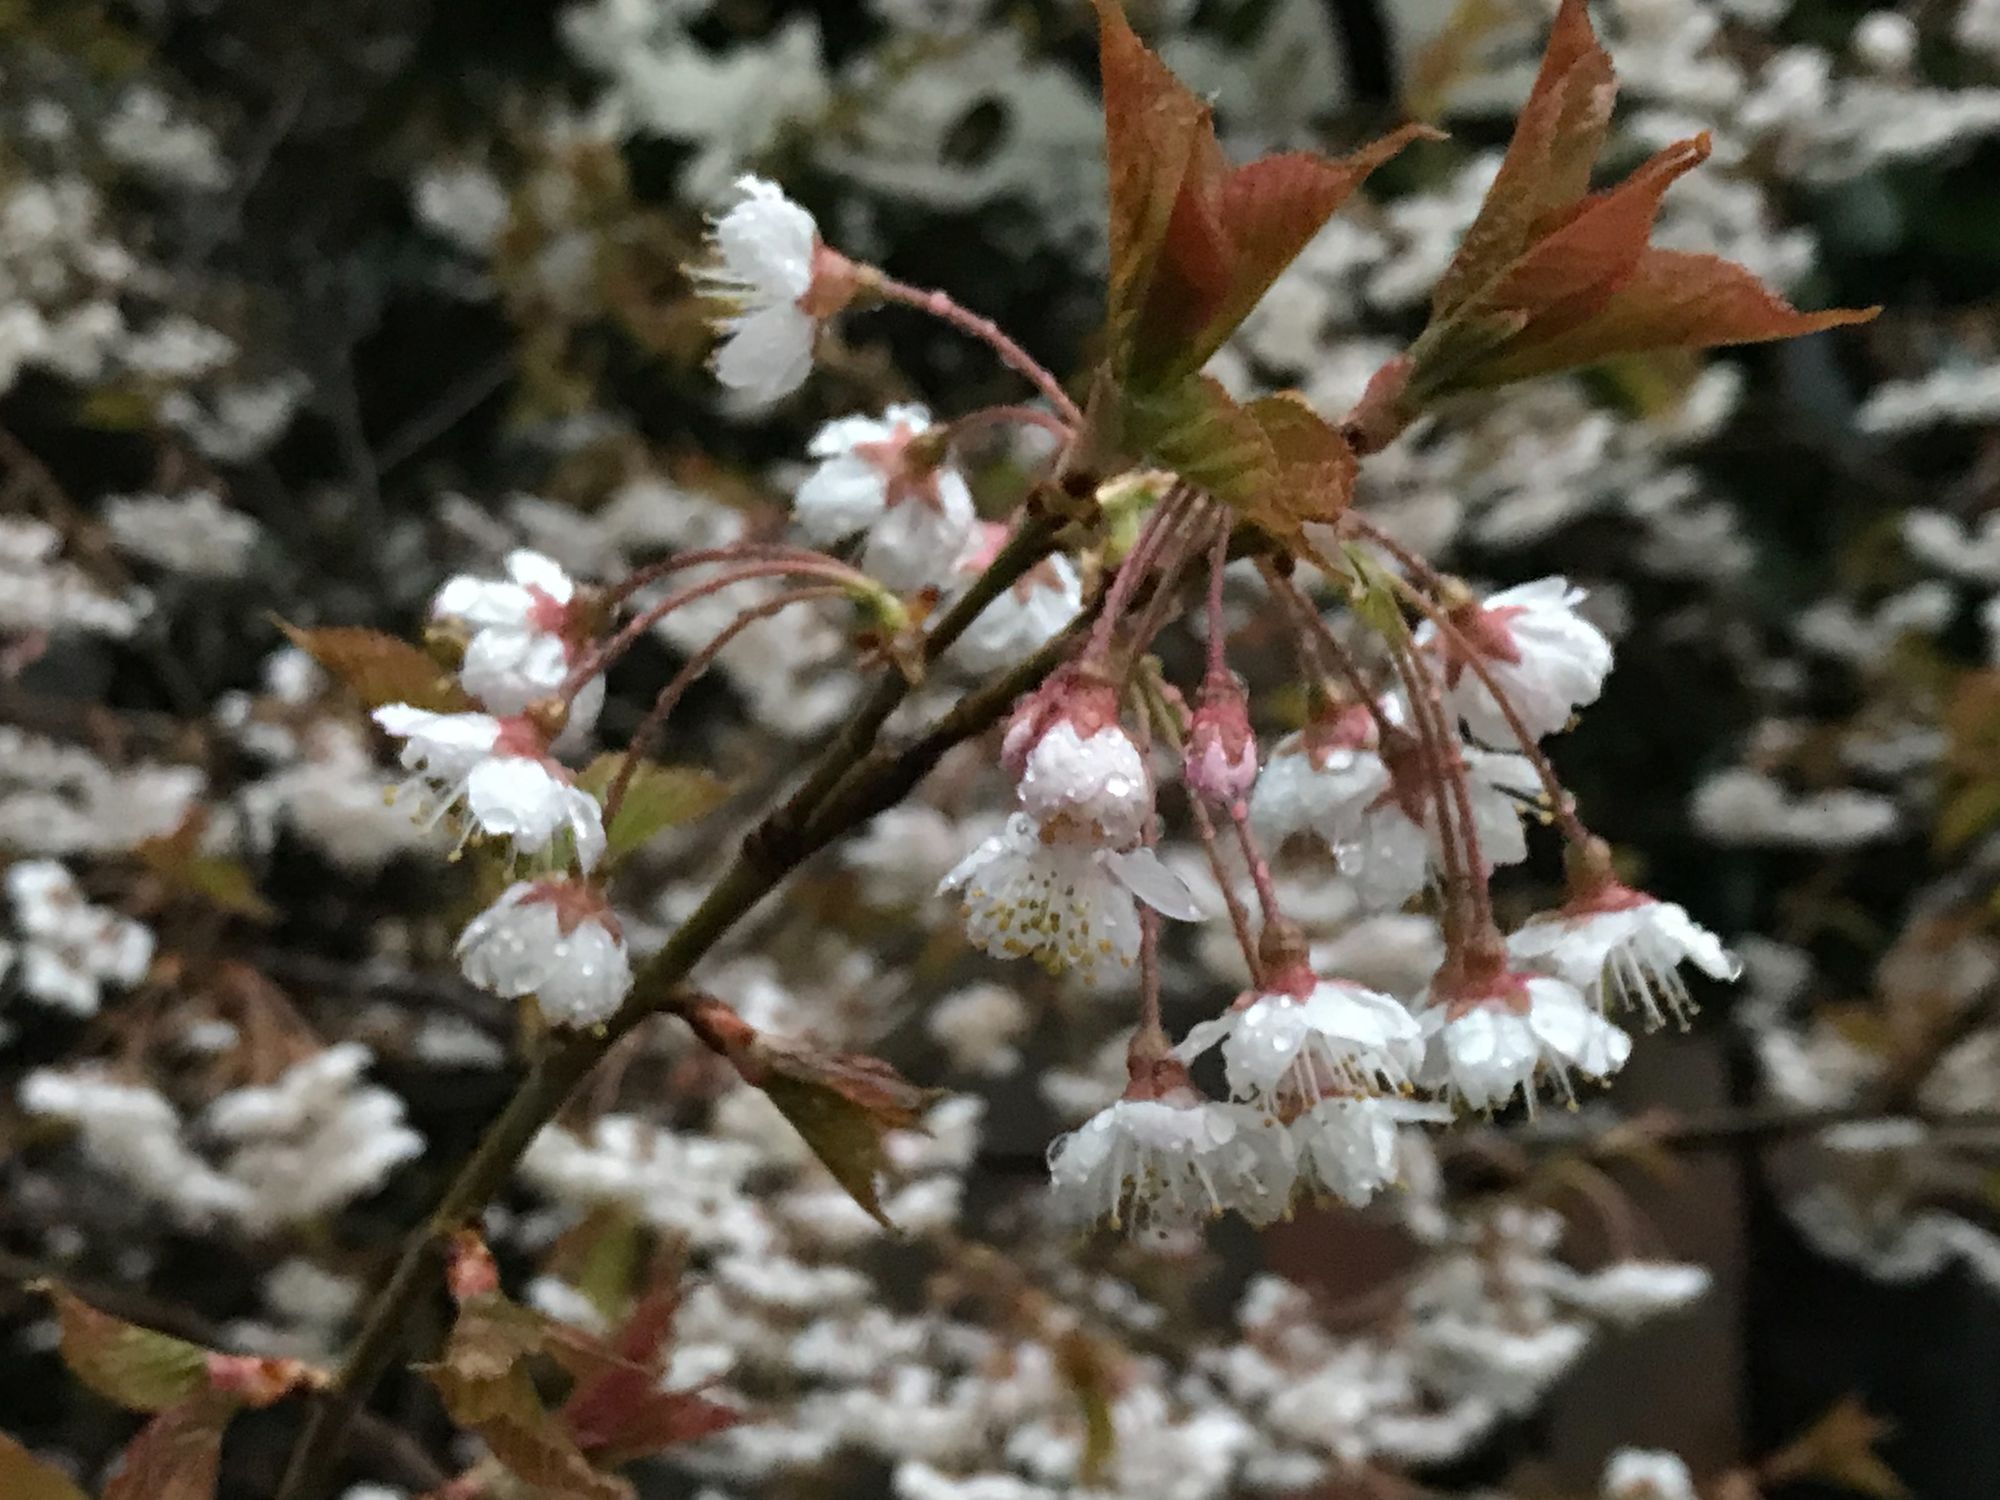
[[875, 475], [770, 262], [1626, 946], [1646, 1474], [463, 202], [1885, 41], [1746, 808], [1161, 1166], [69, 948], [1282, 1050], [979, 1026], [194, 534], [1629, 1291], [1025, 617], [500, 769], [556, 940], [1066, 901], [137, 1135], [314, 1140], [1545, 658], [1486, 1048]]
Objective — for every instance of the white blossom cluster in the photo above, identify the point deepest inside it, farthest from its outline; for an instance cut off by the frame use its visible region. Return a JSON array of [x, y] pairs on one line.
[[975, 1353]]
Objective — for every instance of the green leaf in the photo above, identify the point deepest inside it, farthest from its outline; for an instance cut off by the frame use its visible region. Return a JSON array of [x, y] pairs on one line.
[[379, 668], [1372, 596], [659, 797], [1274, 462], [25, 1477], [132, 1366]]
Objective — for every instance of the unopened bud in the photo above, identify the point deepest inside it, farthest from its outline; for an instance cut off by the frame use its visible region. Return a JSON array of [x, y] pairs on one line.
[[1220, 759]]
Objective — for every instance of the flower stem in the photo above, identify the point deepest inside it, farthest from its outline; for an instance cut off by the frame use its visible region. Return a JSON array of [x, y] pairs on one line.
[[616, 645], [1125, 582], [827, 805], [691, 670], [1168, 720], [1561, 805], [941, 306]]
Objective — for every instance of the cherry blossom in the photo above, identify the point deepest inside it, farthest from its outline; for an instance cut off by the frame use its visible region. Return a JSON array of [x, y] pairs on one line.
[[1500, 1036], [770, 262], [500, 771], [556, 940], [877, 475], [1547, 659]]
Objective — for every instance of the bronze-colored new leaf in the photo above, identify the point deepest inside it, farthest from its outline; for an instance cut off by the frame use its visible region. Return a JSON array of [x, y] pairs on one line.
[[1196, 242], [379, 668], [485, 1382], [620, 1413], [25, 1477], [1274, 461], [176, 1456], [842, 1103], [1551, 276]]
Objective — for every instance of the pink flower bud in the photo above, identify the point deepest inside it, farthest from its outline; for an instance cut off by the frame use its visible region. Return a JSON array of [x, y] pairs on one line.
[[1220, 763]]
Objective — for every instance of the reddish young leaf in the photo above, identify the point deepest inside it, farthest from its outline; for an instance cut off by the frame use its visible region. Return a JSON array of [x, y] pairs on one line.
[[176, 1455], [1314, 478], [1152, 126], [1194, 242], [484, 1380], [1232, 233], [1274, 462], [621, 1413], [1556, 141], [523, 1436], [1551, 276], [1674, 300], [25, 1477]]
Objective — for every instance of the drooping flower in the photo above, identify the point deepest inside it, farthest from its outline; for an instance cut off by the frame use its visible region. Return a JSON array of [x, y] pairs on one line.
[[1062, 896], [1322, 780], [769, 260], [1291, 1048], [556, 940], [1373, 800], [526, 633], [1494, 1037], [1073, 761], [1544, 657], [1161, 1166], [1025, 617], [875, 476], [500, 771], [1618, 944]]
